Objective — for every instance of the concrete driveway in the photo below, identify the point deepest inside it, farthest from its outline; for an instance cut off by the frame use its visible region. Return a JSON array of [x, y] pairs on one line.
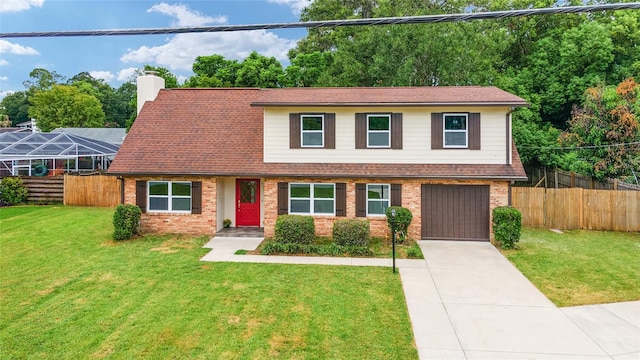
[[467, 301]]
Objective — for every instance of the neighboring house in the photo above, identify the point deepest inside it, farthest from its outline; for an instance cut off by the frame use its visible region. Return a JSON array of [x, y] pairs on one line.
[[29, 125], [111, 135], [197, 156]]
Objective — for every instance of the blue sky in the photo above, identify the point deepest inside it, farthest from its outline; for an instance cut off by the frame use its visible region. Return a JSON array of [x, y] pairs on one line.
[[115, 58]]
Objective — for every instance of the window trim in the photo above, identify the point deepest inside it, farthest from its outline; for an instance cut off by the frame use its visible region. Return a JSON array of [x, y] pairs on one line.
[[388, 116], [169, 197], [312, 199], [388, 200], [303, 131], [445, 131]]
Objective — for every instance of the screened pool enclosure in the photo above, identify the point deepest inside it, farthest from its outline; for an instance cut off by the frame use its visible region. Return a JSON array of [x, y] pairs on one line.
[[40, 154]]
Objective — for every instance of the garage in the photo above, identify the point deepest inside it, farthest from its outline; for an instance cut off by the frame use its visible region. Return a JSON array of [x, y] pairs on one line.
[[455, 212]]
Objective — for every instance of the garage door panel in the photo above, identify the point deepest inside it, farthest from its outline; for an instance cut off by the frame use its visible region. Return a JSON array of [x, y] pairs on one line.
[[455, 212]]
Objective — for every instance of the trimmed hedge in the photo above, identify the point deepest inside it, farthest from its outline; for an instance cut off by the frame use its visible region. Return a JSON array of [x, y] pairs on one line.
[[507, 223], [12, 191], [295, 229], [402, 221], [351, 233], [328, 249], [126, 221]]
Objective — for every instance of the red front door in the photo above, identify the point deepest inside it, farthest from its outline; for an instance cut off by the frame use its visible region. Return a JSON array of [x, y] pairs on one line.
[[247, 202]]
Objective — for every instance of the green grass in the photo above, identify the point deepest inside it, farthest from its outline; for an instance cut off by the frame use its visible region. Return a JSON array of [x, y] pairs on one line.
[[580, 267], [67, 291]]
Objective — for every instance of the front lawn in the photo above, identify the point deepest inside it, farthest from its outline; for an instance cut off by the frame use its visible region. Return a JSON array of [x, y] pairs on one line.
[[580, 267], [67, 291]]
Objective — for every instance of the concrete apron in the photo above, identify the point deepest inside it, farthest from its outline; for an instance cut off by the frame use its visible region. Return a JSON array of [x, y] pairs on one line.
[[467, 301], [472, 303]]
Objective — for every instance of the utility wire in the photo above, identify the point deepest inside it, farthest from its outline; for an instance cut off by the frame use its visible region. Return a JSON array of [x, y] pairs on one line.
[[422, 19], [580, 147]]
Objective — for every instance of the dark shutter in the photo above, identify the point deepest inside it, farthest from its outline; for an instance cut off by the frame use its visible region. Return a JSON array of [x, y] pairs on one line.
[[396, 131], [196, 197], [474, 131], [436, 131], [141, 195], [396, 194], [361, 200], [361, 131], [283, 198], [294, 131], [341, 199], [330, 131]]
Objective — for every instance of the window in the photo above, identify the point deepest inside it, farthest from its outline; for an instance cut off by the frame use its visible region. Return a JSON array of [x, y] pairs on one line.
[[377, 199], [169, 196], [312, 199], [455, 130], [312, 130], [378, 130]]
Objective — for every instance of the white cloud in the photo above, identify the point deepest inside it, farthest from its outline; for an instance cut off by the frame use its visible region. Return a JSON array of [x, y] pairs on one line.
[[4, 78], [180, 52], [7, 47], [4, 93], [104, 75], [19, 5], [295, 5], [3, 62], [127, 74], [186, 17]]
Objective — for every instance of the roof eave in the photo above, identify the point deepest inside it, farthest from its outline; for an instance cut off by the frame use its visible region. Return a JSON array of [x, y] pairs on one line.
[[380, 104]]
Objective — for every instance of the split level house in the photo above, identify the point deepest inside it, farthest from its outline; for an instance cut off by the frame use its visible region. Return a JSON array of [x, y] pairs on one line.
[[195, 157]]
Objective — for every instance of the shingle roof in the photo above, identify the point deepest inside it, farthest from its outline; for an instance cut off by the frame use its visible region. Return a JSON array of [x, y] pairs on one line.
[[371, 96], [218, 132]]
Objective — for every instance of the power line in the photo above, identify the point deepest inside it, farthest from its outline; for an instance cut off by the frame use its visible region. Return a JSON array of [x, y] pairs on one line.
[[579, 147], [422, 19]]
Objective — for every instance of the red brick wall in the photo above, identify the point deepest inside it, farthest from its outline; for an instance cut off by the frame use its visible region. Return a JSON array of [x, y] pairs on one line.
[[411, 199], [197, 224]]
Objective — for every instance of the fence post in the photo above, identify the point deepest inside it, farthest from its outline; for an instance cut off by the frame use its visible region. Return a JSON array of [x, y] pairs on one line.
[[615, 184], [573, 179], [555, 177]]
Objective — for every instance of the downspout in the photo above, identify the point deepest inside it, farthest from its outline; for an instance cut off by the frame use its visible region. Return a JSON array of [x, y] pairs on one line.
[[121, 189], [509, 149]]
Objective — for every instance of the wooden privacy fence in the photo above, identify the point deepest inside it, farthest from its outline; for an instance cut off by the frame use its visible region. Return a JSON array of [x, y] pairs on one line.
[[95, 190], [578, 208], [44, 188]]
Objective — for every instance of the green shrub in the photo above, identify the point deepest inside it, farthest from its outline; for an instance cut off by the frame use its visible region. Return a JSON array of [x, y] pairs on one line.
[[402, 221], [297, 229], [351, 233], [126, 221], [273, 247], [414, 252], [12, 191], [507, 223]]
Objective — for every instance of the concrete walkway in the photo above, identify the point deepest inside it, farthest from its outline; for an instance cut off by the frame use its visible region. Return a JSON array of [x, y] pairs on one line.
[[466, 301]]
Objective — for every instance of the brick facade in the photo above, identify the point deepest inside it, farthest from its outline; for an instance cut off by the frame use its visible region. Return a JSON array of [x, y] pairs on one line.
[[197, 224], [411, 199], [205, 223]]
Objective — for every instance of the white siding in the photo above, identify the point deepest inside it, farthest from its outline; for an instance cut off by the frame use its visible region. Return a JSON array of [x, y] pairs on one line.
[[416, 130]]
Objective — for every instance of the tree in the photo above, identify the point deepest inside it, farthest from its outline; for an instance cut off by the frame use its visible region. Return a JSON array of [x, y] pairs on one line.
[[607, 132], [213, 71], [65, 106], [42, 79], [259, 71], [16, 106]]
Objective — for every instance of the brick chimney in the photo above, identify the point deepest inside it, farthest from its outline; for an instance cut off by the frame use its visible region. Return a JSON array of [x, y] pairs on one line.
[[149, 85]]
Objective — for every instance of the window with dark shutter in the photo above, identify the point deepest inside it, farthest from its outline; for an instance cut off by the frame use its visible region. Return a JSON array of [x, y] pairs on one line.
[[294, 131], [283, 198], [436, 130], [474, 131], [330, 131], [396, 194], [396, 131], [361, 131], [341, 199], [196, 197], [361, 200], [141, 195]]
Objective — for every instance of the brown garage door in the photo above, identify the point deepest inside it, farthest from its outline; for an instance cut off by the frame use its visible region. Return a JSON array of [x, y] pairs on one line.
[[455, 212]]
